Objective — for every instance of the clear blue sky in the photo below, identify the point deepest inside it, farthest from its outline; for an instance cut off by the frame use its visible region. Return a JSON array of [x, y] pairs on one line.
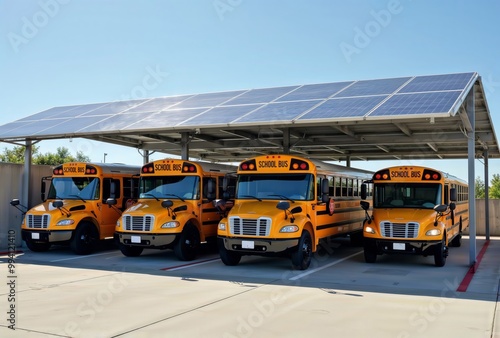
[[65, 52]]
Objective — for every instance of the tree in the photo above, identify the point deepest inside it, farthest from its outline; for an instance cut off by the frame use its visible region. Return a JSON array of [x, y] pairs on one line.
[[495, 186], [480, 188], [62, 155]]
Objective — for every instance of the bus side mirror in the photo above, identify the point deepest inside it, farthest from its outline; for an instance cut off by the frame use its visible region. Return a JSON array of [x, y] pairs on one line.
[[364, 191], [283, 205], [365, 205], [57, 204], [453, 194], [15, 202], [440, 208], [325, 189], [111, 201], [167, 204], [112, 189], [452, 206]]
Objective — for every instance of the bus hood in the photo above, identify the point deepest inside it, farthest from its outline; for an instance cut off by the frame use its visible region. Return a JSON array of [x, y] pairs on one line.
[[69, 205], [143, 207], [250, 208], [405, 215]]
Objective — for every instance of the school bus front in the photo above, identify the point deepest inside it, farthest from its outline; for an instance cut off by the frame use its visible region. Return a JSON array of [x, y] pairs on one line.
[[413, 212], [175, 210], [282, 207], [75, 211]]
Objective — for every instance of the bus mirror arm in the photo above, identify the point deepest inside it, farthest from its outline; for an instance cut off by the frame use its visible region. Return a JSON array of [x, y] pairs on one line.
[[285, 206], [366, 206], [111, 202], [440, 209], [16, 204]]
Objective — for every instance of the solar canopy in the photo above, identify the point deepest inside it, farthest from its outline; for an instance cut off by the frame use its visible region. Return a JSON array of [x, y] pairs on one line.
[[407, 117]]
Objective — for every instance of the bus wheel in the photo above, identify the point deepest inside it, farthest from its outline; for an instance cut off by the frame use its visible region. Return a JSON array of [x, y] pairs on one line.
[[301, 259], [37, 247], [370, 251], [188, 243], [440, 253], [84, 239], [230, 258], [457, 240], [130, 251]]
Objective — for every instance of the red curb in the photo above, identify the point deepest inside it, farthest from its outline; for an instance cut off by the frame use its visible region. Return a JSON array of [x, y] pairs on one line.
[[468, 276]]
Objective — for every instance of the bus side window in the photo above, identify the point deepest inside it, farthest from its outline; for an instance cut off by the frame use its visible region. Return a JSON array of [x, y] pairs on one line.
[[446, 194], [337, 187]]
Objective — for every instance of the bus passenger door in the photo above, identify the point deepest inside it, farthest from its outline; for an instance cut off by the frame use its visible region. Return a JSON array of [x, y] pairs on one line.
[[209, 214], [109, 215]]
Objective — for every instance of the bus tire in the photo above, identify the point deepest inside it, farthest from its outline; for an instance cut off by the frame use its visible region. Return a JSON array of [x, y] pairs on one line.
[[228, 257], [301, 258], [457, 240], [369, 251], [440, 253], [130, 251], [84, 239], [188, 243], [37, 247]]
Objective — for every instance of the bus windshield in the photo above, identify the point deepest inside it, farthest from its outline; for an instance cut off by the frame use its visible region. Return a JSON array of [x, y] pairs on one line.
[[276, 186], [86, 188], [407, 195], [182, 187]]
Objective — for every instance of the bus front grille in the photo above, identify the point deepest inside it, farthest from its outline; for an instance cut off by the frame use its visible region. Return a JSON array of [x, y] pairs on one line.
[[399, 230], [250, 227], [37, 221], [138, 223]]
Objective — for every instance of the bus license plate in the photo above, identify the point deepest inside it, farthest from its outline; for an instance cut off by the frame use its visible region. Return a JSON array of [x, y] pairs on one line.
[[35, 235], [398, 246], [135, 239], [247, 244]]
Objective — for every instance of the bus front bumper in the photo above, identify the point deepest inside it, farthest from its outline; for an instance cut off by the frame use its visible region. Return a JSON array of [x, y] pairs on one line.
[[417, 247], [146, 240], [259, 246], [46, 236]]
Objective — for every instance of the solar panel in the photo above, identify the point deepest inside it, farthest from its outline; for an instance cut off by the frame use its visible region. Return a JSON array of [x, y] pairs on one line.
[[416, 104], [373, 87], [158, 104], [282, 111], [113, 108], [438, 83], [49, 113], [208, 100], [345, 107], [264, 95], [65, 126], [220, 115], [114, 124], [165, 119], [315, 91]]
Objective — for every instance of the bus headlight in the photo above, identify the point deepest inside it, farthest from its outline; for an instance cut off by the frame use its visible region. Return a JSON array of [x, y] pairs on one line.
[[289, 228], [65, 222], [222, 226], [433, 232], [171, 224], [369, 230], [118, 224]]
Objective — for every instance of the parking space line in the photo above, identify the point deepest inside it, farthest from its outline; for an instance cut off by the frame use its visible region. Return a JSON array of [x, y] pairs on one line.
[[183, 266], [323, 267], [80, 257]]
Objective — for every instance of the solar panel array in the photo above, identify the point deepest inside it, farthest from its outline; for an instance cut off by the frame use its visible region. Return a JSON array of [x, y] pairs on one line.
[[403, 97]]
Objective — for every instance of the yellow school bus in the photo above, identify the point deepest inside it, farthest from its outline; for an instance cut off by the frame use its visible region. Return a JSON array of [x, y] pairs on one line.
[[176, 209], [74, 210], [416, 210], [286, 205]]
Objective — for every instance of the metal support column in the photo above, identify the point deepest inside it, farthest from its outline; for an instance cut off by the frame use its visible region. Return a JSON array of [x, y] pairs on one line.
[[145, 157], [472, 185], [26, 198], [286, 141], [486, 196], [348, 161], [185, 146]]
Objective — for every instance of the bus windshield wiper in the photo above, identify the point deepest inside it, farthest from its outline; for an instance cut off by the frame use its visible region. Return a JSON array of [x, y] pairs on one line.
[[283, 197], [182, 199], [148, 194], [251, 196], [77, 196]]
